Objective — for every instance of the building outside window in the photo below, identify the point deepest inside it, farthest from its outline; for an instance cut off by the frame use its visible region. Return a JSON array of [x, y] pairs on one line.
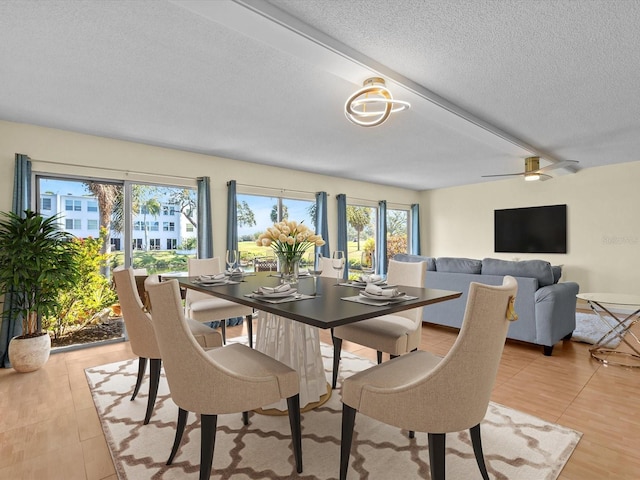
[[92, 206], [46, 203], [92, 224], [168, 226], [73, 224], [172, 244]]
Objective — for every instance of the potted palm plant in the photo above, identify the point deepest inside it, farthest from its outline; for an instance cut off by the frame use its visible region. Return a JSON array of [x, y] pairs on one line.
[[37, 260]]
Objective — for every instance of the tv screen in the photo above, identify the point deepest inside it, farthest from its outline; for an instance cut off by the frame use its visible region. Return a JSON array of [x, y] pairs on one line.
[[531, 230]]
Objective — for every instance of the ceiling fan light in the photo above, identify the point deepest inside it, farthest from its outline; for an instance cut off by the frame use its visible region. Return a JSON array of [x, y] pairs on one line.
[[375, 94], [531, 177]]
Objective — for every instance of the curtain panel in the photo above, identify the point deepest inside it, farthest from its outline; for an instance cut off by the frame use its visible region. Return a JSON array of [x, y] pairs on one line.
[[232, 235], [322, 224], [342, 231], [381, 240], [205, 232], [12, 326], [415, 229]]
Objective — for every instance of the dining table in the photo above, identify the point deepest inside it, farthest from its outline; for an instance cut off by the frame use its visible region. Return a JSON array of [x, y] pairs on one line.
[[288, 326]]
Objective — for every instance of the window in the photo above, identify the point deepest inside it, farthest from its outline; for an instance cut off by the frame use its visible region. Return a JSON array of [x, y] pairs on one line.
[[361, 234], [172, 244], [138, 225], [137, 244], [168, 210], [92, 224], [154, 244], [154, 226], [92, 206], [189, 228], [397, 232], [115, 244], [46, 204], [168, 227], [72, 205], [256, 213], [72, 224]]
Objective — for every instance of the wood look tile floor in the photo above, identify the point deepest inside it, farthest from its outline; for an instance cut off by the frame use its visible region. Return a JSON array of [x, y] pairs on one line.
[[49, 428]]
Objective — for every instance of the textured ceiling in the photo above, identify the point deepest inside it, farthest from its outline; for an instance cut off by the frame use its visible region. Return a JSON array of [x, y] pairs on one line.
[[266, 81]]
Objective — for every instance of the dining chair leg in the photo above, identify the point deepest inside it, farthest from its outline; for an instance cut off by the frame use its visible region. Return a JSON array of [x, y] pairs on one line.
[[182, 422], [208, 427], [142, 367], [412, 434], [250, 329], [223, 329], [379, 355], [437, 443], [245, 418], [293, 405], [337, 346], [348, 422], [154, 381], [476, 441]]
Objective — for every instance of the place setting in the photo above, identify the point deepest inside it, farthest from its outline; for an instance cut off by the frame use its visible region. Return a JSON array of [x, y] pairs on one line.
[[280, 294], [215, 280], [378, 296]]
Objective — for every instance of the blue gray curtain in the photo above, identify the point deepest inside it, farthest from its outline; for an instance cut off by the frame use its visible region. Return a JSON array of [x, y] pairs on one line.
[[342, 231], [415, 229], [12, 327], [322, 224], [381, 238], [232, 234], [232, 216], [205, 232]]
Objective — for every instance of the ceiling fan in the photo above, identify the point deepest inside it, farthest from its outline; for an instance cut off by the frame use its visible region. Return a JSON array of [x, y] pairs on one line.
[[532, 170]]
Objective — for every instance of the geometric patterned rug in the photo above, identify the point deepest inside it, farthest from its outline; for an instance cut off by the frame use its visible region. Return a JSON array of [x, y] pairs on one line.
[[516, 445]]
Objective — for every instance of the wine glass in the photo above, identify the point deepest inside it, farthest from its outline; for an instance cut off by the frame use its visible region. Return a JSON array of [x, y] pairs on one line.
[[368, 262], [337, 262], [232, 258], [314, 266]]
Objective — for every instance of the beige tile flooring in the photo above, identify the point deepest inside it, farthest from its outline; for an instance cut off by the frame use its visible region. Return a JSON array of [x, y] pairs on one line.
[[49, 428]]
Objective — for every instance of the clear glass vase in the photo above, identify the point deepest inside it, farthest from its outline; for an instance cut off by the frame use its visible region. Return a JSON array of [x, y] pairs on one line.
[[288, 267]]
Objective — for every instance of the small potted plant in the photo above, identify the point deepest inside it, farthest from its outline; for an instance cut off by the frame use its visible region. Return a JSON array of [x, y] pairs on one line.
[[37, 260]]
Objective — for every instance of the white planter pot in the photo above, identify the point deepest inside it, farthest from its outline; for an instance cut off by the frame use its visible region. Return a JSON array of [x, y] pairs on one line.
[[29, 354]]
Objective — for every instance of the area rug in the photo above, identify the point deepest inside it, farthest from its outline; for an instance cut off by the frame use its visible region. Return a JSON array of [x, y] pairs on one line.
[[590, 329], [516, 445]]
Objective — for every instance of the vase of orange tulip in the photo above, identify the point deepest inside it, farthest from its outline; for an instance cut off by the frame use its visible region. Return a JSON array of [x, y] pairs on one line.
[[289, 241]]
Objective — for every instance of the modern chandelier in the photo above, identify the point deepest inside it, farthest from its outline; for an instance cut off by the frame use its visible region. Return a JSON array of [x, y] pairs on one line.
[[372, 104]]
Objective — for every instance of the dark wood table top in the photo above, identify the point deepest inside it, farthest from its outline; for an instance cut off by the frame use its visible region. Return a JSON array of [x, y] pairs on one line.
[[326, 309]]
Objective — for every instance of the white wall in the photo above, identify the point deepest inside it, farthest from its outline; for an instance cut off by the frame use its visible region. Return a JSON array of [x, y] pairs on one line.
[[96, 155], [603, 209]]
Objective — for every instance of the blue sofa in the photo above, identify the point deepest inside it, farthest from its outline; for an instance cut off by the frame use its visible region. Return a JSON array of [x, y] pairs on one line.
[[546, 307]]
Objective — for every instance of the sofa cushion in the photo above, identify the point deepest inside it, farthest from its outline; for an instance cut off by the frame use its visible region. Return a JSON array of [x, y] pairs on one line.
[[458, 265], [405, 257], [539, 269]]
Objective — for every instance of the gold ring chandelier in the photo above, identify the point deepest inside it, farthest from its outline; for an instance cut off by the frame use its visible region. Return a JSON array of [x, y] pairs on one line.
[[372, 104]]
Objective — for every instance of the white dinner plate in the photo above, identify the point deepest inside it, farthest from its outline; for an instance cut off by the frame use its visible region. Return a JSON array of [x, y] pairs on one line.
[[211, 283]]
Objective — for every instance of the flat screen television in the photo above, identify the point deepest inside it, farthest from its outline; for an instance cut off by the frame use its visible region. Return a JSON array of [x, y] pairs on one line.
[[531, 230]]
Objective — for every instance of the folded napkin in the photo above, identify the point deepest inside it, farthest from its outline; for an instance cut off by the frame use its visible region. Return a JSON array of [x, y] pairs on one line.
[[372, 289], [370, 278], [219, 276], [279, 289]]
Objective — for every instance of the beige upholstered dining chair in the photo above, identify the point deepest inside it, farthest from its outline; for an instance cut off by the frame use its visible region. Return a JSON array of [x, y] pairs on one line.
[[207, 308], [394, 334], [427, 393], [231, 379], [139, 325]]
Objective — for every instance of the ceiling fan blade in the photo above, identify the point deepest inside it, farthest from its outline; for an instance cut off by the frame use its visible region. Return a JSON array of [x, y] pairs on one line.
[[553, 166], [544, 177], [503, 175]]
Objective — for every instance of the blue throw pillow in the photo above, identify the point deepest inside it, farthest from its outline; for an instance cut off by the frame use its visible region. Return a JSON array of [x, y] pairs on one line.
[[405, 257]]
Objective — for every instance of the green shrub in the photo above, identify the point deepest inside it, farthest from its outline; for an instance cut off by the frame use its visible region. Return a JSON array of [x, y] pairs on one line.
[[91, 294]]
